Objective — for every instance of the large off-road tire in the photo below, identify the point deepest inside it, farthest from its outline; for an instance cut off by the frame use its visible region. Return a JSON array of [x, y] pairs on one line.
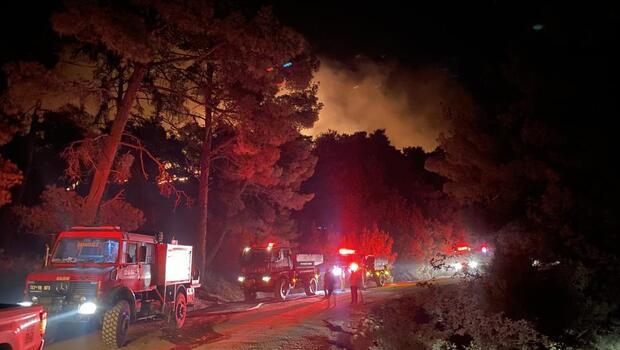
[[311, 287], [116, 324], [249, 295], [179, 313], [281, 289]]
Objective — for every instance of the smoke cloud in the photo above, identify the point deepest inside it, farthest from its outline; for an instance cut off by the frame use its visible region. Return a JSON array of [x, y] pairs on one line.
[[370, 95]]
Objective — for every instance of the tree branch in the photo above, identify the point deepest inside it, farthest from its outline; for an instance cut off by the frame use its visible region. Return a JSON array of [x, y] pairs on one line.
[[188, 57]]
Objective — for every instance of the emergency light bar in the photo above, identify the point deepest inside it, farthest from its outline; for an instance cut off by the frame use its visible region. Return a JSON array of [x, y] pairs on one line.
[[462, 248], [345, 251], [97, 228]]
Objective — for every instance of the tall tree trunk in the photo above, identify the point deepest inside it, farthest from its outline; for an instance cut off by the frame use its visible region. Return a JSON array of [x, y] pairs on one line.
[[205, 168], [106, 160], [216, 247], [30, 148]]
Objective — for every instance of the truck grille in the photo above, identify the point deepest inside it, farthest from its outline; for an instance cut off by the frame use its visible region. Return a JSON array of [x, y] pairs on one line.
[[84, 289], [63, 289]]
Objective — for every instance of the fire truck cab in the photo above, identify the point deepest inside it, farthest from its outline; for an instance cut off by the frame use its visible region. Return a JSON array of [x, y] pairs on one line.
[[115, 277]]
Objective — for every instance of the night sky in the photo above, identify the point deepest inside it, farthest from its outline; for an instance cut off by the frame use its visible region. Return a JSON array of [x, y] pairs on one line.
[[411, 60]]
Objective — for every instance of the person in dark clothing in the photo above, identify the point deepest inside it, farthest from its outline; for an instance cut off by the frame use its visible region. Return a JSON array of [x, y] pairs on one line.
[[329, 281], [357, 283]]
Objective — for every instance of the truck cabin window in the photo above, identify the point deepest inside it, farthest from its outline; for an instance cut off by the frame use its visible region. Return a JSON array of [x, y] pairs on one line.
[[146, 253], [256, 256], [284, 254], [131, 253], [86, 250]]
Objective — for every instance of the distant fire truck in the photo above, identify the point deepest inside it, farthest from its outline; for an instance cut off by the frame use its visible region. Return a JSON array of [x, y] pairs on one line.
[[278, 269], [374, 268], [469, 259], [116, 277]]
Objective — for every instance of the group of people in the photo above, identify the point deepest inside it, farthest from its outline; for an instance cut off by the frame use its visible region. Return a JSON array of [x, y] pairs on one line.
[[332, 281]]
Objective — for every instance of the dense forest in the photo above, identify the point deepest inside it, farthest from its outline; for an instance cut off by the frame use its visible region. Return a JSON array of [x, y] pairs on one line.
[[135, 116]]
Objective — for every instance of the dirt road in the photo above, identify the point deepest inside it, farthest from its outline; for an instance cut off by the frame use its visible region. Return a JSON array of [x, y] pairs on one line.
[[299, 323]]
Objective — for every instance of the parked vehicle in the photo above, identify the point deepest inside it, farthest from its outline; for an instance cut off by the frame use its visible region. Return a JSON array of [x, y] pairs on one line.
[[375, 269], [279, 270], [115, 277], [469, 260], [22, 327]]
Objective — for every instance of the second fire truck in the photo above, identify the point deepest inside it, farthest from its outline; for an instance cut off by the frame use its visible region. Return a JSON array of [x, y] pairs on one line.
[[278, 269]]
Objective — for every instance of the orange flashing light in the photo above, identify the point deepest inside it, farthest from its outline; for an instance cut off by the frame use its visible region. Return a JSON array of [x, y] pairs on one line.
[[462, 248]]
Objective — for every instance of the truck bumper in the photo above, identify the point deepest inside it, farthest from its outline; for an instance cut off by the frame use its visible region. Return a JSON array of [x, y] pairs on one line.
[[255, 285], [68, 313]]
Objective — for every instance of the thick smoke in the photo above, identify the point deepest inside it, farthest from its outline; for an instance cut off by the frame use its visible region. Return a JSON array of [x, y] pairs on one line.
[[367, 96]]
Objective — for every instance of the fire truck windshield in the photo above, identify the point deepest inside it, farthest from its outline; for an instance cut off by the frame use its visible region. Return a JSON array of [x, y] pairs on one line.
[[256, 257], [86, 250]]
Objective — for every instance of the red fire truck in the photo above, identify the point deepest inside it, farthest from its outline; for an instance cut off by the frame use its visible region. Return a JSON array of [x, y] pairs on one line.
[[278, 269], [469, 259], [116, 277], [374, 268]]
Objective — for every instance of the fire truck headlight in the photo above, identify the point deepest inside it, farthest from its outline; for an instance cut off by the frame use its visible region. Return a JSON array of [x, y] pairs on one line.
[[241, 279], [87, 308], [354, 267], [266, 278], [25, 303], [337, 271], [35, 300], [457, 266], [473, 264]]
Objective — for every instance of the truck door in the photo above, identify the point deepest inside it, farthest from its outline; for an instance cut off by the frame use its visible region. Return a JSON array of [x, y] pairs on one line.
[[282, 261], [286, 255], [129, 273], [145, 261]]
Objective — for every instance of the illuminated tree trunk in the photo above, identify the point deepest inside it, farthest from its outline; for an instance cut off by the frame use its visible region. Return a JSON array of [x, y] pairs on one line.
[[106, 160], [216, 247], [205, 168]]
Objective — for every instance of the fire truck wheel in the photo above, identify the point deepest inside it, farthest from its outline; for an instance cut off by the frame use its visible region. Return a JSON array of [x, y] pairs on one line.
[[180, 312], [281, 289], [310, 287], [115, 325], [249, 295]]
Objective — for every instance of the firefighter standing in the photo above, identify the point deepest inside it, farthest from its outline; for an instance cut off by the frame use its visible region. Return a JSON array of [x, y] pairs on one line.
[[329, 281], [357, 283]]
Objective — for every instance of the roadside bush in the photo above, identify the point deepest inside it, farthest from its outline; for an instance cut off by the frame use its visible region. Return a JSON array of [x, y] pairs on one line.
[[217, 288], [446, 317]]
